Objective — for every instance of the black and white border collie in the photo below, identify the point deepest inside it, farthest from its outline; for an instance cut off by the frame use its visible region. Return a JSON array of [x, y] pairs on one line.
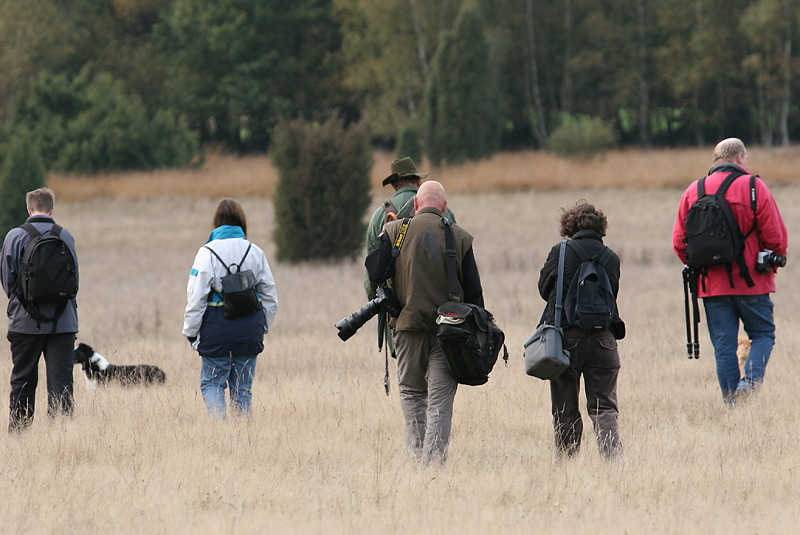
[[99, 370]]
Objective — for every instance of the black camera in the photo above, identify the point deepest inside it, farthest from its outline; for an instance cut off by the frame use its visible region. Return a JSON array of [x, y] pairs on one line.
[[767, 259], [384, 301]]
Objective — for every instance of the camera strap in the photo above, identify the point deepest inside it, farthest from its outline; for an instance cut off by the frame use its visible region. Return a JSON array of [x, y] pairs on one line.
[[401, 236]]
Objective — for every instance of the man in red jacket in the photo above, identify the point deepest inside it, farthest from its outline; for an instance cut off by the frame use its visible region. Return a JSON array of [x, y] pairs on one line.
[[727, 297]]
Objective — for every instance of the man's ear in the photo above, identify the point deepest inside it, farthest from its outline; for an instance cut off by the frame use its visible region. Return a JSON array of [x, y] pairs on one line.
[[415, 204]]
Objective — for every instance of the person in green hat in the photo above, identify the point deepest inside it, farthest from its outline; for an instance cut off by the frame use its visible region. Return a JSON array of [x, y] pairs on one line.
[[405, 179]]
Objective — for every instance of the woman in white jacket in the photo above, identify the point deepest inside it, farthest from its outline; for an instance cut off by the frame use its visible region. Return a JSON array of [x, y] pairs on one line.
[[228, 346]]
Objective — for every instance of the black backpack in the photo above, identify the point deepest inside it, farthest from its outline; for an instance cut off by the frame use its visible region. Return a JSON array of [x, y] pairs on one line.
[[590, 302], [713, 236], [47, 274], [239, 296]]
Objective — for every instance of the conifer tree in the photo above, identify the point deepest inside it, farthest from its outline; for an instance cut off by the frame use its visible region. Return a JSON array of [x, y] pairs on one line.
[[22, 170], [463, 115], [323, 188]]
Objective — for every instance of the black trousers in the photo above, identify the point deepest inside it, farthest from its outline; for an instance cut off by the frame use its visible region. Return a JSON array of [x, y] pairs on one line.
[[593, 355], [25, 352]]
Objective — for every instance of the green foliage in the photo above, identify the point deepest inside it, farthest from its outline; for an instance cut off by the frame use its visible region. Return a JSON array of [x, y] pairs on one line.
[[91, 124], [582, 137], [463, 120], [409, 143], [323, 188], [22, 170], [240, 64]]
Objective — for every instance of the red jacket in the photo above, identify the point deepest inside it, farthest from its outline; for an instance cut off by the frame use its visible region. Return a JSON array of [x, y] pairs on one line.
[[771, 228]]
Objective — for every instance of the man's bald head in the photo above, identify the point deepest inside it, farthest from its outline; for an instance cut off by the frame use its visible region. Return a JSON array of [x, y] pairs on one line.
[[431, 194]]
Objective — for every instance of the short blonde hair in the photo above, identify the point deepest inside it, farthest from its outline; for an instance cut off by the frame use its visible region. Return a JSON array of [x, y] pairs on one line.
[[41, 200], [727, 149]]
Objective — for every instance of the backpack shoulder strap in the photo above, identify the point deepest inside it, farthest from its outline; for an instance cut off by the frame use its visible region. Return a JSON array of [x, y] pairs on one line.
[[220, 258], [723, 188], [701, 187], [450, 258], [604, 257], [407, 209], [579, 249], [31, 230], [239, 266]]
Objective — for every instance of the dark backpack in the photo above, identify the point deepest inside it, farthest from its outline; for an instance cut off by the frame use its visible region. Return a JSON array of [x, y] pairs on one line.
[[239, 296], [590, 302], [713, 236], [47, 274]]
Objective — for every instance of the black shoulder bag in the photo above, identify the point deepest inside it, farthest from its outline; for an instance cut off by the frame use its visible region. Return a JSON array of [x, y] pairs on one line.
[[468, 334]]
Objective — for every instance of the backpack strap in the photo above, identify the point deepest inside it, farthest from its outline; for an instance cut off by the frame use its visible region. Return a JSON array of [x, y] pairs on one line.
[[228, 269], [602, 258], [450, 258], [239, 266]]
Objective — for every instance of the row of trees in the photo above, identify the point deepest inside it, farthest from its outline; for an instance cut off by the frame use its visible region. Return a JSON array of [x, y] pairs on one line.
[[104, 84]]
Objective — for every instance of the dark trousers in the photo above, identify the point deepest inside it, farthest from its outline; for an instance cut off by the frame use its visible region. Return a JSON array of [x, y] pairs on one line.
[[25, 352], [594, 355]]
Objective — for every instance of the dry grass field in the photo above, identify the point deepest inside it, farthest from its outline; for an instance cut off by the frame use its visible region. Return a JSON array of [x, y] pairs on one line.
[[323, 452]]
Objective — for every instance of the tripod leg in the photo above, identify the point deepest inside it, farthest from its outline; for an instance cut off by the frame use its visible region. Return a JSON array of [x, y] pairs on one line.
[[688, 313]]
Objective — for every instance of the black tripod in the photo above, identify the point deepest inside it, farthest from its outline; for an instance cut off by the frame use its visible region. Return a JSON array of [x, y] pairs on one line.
[[690, 278]]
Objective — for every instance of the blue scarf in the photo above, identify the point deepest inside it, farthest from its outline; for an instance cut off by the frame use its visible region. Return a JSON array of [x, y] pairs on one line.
[[224, 232]]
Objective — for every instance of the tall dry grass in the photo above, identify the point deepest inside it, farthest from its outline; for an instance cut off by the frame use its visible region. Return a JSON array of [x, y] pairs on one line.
[[323, 452], [513, 171]]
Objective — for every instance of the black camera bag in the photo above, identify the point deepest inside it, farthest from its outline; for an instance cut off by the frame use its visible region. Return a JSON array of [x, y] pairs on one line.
[[239, 296], [468, 334]]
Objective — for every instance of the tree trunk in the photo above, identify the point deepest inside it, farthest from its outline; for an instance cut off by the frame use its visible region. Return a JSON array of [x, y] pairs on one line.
[[537, 110], [644, 89], [419, 32], [783, 118], [763, 115], [698, 127], [12, 86], [566, 88]]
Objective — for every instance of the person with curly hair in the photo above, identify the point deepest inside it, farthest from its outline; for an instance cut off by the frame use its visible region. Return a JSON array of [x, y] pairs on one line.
[[593, 353]]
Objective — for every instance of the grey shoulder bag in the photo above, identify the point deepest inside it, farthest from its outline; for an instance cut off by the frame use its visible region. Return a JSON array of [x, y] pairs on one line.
[[545, 356]]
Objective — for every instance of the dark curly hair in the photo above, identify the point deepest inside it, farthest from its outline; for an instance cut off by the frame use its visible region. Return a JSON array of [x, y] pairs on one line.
[[582, 216]]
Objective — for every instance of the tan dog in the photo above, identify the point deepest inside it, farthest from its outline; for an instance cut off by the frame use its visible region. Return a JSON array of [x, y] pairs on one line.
[[742, 351]]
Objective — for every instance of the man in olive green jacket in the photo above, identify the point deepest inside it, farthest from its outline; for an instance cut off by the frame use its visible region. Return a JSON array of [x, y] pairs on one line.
[[419, 279]]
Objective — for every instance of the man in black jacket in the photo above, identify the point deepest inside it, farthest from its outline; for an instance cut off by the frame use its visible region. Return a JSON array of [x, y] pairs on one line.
[[593, 353]]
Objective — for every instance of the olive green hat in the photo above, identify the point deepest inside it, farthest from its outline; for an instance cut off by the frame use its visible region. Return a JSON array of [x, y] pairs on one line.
[[402, 168]]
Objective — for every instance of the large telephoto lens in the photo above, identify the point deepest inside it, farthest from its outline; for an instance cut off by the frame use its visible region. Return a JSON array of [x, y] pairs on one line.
[[349, 325]]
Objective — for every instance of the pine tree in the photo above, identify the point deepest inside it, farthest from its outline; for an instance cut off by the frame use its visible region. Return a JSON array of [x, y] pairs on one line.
[[323, 189], [22, 171], [463, 115]]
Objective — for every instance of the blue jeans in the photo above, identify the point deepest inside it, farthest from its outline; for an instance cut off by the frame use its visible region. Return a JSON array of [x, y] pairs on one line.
[[217, 373], [723, 314]]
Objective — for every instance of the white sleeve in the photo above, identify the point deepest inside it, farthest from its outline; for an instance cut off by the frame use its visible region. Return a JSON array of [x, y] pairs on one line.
[[266, 290], [197, 291]]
